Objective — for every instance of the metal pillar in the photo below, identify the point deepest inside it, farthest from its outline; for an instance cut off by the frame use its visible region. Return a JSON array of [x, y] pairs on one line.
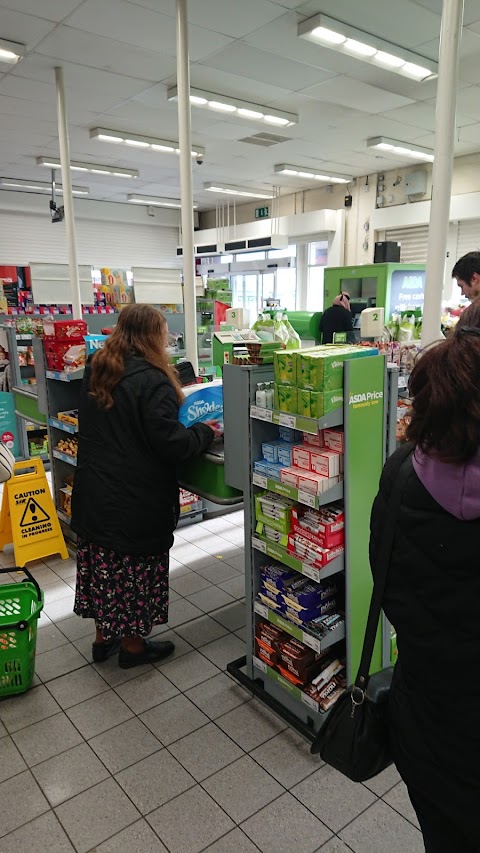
[[450, 39], [186, 190], [68, 196]]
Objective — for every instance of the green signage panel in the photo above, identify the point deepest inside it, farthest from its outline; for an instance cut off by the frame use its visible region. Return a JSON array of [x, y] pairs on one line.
[[262, 212]]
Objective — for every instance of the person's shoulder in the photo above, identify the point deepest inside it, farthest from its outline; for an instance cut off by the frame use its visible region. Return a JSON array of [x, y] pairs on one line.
[[392, 466]]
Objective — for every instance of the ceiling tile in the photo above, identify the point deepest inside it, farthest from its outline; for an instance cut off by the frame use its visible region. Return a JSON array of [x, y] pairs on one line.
[[254, 64], [355, 94], [52, 10], [468, 102], [471, 13], [422, 115], [25, 29], [34, 110], [235, 85], [230, 19], [470, 133]]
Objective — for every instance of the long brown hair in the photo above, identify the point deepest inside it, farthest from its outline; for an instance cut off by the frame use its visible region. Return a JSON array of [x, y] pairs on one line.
[[445, 386], [141, 330]]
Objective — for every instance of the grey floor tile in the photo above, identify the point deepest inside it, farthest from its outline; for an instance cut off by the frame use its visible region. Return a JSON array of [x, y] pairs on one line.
[[237, 517], [202, 631], [241, 634], [189, 584], [174, 719], [177, 569], [56, 591], [43, 740], [218, 572], [43, 575], [237, 561], [242, 788], [28, 708], [335, 845], [63, 609], [113, 675], [27, 837], [250, 725], [22, 801], [191, 557], [75, 627], [96, 815], [58, 662], [333, 798], [146, 691], [125, 745], [399, 800], [236, 536], [286, 825], [154, 781], [206, 822], [205, 751], [218, 695], [138, 838], [172, 595], [210, 599], [69, 774], [234, 842], [99, 714], [234, 587], [11, 762], [189, 670], [3, 731], [287, 758], [67, 571], [225, 650], [181, 646], [232, 616], [49, 638], [384, 781], [43, 620], [381, 829], [76, 687], [182, 611], [216, 525]]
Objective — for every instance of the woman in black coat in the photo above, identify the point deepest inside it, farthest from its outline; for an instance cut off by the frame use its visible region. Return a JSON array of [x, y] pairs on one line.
[[125, 497], [433, 596], [337, 318]]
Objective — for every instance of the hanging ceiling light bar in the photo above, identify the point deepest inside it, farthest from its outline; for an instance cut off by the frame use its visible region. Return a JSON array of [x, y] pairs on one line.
[[399, 148], [11, 51], [37, 186], [231, 189], [154, 201], [135, 140], [328, 32], [311, 174], [236, 107], [93, 168]]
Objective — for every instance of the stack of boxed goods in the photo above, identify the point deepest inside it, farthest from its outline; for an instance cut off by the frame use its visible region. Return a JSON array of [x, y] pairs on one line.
[[313, 465], [64, 344], [309, 382], [302, 601]]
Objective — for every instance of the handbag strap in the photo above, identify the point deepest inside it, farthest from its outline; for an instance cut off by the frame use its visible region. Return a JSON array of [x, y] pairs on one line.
[[380, 580]]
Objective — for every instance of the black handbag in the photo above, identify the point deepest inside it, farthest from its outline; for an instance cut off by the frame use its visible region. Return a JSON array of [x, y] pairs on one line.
[[354, 739]]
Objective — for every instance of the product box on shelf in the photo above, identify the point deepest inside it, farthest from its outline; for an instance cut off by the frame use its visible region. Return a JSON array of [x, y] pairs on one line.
[[69, 417], [322, 369], [68, 446], [301, 457], [326, 463], [285, 398], [324, 402], [277, 577], [284, 367], [316, 440], [315, 484], [65, 330], [288, 434], [270, 450], [285, 453], [303, 594], [66, 500], [324, 527], [303, 402], [274, 511], [307, 551], [289, 476], [334, 439]]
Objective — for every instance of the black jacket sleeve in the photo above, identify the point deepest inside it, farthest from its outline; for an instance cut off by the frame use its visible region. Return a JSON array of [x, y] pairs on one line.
[[171, 440]]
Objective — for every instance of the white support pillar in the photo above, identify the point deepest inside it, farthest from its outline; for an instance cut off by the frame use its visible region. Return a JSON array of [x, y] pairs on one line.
[[64, 142], [186, 188], [450, 39]]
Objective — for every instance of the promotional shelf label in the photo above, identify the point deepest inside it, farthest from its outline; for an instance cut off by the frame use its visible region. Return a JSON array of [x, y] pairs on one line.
[[307, 499], [311, 572], [262, 414], [287, 420], [259, 545], [259, 480], [260, 664]]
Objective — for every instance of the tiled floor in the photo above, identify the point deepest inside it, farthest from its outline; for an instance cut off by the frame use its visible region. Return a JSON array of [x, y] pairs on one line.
[[176, 757]]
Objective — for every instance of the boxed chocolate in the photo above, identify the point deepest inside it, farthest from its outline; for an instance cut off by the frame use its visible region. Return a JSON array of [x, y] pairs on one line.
[[277, 577], [324, 527], [308, 552]]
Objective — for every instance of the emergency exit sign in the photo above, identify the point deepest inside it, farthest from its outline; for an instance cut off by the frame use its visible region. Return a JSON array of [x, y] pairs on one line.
[[262, 212]]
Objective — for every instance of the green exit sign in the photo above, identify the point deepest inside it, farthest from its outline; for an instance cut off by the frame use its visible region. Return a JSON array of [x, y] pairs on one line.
[[262, 212]]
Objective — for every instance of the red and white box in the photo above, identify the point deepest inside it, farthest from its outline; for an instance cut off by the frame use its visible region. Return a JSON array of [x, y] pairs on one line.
[[308, 552], [301, 457], [334, 440], [315, 484], [289, 476], [314, 440], [326, 463], [324, 527]]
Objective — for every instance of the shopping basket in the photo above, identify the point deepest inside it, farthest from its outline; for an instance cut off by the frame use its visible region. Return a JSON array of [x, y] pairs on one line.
[[20, 607]]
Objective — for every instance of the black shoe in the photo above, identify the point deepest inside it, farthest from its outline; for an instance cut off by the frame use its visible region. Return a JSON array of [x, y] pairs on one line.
[[102, 651], [152, 652]]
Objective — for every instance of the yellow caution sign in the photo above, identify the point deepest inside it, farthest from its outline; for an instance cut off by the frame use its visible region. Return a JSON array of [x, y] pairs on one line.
[[28, 517]]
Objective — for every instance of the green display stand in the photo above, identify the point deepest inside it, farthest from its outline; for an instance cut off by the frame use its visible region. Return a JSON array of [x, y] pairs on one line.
[[205, 477], [394, 287]]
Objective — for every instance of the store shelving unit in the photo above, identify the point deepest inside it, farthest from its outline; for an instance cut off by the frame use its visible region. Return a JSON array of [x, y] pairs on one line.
[[247, 426], [30, 422]]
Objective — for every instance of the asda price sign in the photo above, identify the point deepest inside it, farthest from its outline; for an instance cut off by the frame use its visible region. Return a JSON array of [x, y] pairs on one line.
[[365, 398]]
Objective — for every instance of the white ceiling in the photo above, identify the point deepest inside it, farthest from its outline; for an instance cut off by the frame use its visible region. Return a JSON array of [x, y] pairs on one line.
[[119, 58]]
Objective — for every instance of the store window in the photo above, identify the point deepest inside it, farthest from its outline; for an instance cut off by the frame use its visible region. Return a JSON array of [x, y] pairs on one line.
[[317, 261]]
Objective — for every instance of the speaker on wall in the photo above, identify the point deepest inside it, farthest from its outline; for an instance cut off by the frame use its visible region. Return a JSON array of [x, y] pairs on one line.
[[387, 251]]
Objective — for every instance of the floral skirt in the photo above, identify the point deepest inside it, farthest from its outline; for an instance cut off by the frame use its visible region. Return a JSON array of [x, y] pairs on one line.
[[126, 595]]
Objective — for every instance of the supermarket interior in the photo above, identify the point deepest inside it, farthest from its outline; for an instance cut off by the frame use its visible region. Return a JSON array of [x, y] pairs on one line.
[[290, 184]]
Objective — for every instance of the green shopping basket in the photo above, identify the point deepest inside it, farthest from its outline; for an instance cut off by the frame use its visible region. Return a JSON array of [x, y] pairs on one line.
[[20, 607]]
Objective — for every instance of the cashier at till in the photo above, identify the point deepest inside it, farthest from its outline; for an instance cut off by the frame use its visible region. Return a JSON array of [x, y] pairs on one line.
[[337, 318]]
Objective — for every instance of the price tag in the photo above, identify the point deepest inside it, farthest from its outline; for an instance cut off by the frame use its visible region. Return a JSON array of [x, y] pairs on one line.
[[307, 499], [260, 664], [287, 420], [261, 414], [311, 572], [307, 700], [259, 545], [261, 609], [259, 480], [312, 642]]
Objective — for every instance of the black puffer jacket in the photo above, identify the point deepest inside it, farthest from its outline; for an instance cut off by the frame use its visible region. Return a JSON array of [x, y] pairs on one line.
[[125, 495], [433, 600]]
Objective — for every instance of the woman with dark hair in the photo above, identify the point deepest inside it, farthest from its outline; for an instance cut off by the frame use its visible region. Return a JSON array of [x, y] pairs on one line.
[[337, 318], [125, 496], [433, 595]]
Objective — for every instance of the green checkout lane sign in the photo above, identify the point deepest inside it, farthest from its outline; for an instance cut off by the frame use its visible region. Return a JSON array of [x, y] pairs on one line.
[[364, 425]]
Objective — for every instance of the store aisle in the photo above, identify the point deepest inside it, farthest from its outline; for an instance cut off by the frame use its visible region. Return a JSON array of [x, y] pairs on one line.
[[176, 757]]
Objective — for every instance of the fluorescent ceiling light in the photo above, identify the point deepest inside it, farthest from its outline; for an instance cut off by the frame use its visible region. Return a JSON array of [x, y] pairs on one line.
[[37, 186], [236, 107], [137, 141], [351, 41], [315, 174], [154, 201], [11, 51], [231, 189], [94, 168], [402, 149]]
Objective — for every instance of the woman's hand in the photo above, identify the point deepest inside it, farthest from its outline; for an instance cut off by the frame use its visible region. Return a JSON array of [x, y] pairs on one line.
[[216, 427]]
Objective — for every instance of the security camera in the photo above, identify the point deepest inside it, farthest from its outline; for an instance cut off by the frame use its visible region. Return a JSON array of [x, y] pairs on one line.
[[57, 213], [200, 160]]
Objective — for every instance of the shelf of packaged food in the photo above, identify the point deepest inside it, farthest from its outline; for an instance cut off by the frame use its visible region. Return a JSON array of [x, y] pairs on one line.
[[276, 552], [299, 422], [314, 501], [65, 457], [63, 517], [63, 376], [318, 644], [264, 670], [70, 428]]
